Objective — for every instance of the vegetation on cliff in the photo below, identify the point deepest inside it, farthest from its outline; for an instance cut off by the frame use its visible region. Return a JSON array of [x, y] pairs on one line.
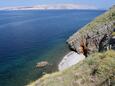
[[95, 35], [97, 70]]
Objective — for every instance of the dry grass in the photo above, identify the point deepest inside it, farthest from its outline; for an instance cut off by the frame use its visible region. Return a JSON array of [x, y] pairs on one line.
[[97, 70]]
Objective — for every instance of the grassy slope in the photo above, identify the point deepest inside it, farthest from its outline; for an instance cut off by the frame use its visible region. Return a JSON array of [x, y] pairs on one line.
[[97, 70], [105, 18]]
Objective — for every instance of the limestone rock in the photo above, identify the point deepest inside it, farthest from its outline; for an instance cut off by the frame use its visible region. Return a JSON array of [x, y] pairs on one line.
[[69, 60], [94, 36]]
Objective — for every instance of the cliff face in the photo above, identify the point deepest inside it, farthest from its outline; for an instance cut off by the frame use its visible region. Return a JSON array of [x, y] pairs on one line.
[[99, 68], [94, 36]]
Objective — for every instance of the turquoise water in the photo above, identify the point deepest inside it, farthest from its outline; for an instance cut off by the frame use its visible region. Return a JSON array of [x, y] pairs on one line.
[[27, 37]]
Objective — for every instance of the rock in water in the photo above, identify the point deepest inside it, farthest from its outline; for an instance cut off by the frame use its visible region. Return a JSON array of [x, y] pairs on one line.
[[42, 64]]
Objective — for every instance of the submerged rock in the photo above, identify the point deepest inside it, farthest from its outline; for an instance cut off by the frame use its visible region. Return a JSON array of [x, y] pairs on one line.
[[42, 64]]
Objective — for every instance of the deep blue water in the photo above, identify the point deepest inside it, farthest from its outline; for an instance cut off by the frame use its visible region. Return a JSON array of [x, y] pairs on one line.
[[27, 37]]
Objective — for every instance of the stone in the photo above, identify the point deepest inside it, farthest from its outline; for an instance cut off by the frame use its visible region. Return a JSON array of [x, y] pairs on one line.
[[42, 64], [69, 60]]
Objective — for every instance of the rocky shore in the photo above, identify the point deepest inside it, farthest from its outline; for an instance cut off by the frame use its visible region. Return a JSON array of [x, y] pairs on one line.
[[94, 37], [96, 41]]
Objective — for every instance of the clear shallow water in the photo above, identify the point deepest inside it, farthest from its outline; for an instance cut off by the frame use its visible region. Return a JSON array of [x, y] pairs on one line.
[[27, 37]]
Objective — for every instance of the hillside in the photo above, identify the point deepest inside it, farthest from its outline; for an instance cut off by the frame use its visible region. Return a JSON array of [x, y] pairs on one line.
[[95, 35], [97, 70], [97, 41], [50, 7]]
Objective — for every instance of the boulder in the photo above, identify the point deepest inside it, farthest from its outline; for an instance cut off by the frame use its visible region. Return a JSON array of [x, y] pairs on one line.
[[42, 64]]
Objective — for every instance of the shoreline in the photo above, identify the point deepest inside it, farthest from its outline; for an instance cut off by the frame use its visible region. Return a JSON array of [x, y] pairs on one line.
[[89, 41]]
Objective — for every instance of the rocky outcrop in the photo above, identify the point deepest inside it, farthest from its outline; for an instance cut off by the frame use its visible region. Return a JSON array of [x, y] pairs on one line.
[[98, 69], [69, 60], [112, 41], [95, 36]]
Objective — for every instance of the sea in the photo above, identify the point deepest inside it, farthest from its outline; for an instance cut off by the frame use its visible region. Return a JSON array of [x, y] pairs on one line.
[[31, 36]]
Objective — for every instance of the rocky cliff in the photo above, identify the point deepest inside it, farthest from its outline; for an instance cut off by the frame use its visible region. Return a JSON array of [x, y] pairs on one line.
[[98, 69], [95, 36]]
